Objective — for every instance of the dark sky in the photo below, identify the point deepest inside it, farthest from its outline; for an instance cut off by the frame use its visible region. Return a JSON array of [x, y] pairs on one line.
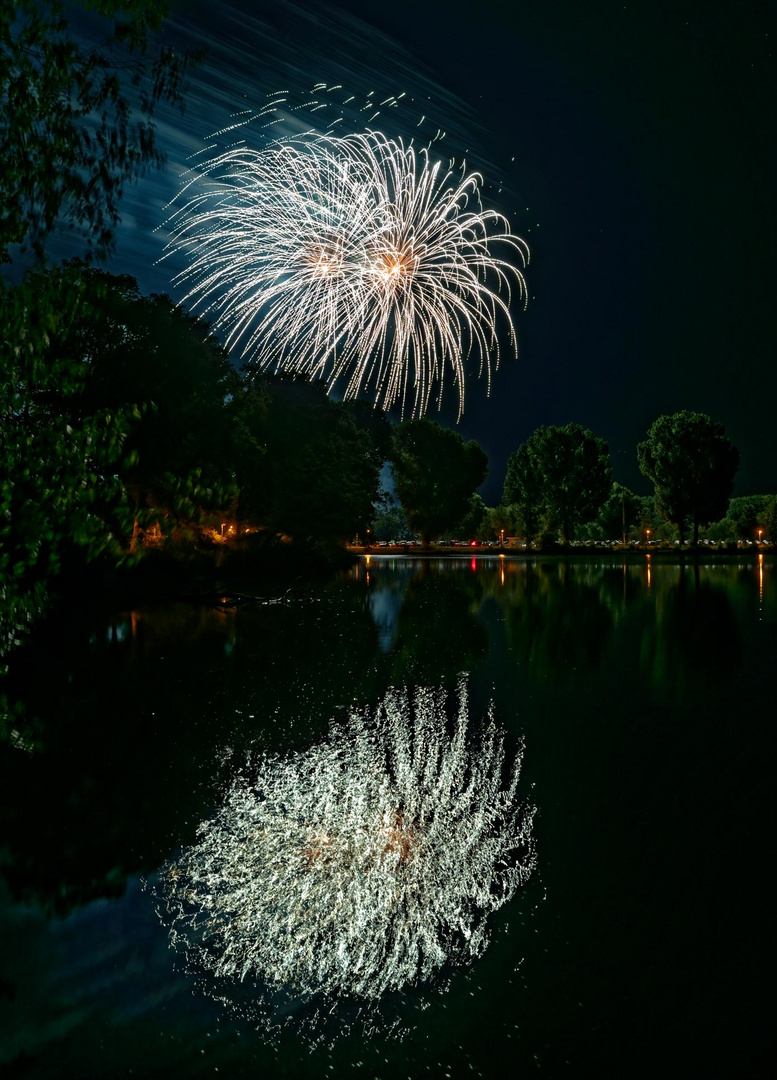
[[631, 144]]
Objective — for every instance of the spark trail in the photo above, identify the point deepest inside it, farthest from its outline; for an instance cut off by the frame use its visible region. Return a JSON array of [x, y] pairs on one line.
[[353, 259]]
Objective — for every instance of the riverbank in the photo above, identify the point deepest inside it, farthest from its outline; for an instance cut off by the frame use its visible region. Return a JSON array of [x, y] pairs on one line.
[[594, 554], [202, 574]]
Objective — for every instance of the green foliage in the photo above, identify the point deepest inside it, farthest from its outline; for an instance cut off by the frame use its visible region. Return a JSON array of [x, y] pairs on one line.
[[558, 479], [744, 515], [435, 473], [471, 524], [58, 463], [523, 492], [76, 123], [391, 524], [721, 532], [620, 514], [651, 520], [496, 524], [768, 519], [139, 349], [318, 476], [691, 463]]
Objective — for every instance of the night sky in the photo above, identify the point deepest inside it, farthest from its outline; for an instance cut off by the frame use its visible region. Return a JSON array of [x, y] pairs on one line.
[[631, 144]]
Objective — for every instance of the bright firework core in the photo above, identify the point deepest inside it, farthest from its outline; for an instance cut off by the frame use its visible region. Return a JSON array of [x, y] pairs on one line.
[[353, 259], [361, 865]]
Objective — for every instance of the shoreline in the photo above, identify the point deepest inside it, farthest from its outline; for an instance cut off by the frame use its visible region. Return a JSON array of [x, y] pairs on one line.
[[617, 555]]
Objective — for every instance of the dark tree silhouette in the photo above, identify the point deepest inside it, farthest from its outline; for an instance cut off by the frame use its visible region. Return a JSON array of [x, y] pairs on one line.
[[435, 472], [691, 464], [560, 476], [76, 123]]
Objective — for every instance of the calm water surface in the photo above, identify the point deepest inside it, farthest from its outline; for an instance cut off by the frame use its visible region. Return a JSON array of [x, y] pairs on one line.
[[644, 699]]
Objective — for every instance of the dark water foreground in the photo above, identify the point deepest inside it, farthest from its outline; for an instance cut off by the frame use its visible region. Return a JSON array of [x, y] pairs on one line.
[[644, 697]]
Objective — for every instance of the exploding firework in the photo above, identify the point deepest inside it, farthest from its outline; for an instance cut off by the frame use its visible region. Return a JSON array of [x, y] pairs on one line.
[[355, 260], [358, 866]]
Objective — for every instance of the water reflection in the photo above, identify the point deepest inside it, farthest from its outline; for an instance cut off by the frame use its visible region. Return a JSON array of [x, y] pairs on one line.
[[127, 748], [692, 642], [556, 620], [129, 720], [360, 865], [437, 633]]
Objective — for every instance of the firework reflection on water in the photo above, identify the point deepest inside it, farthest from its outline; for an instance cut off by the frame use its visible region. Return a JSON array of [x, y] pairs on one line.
[[360, 866]]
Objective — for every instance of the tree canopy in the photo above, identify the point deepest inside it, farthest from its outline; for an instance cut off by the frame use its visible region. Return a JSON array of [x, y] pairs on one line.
[[435, 472], [620, 514], [58, 476], [558, 479], [76, 125], [691, 463], [523, 492], [77, 122], [320, 474], [746, 514]]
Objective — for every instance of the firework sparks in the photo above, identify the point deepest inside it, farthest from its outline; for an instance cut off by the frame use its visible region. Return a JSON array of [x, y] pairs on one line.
[[361, 865], [353, 259]]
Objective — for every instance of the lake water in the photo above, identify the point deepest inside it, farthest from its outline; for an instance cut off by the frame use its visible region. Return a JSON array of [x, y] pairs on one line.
[[192, 799]]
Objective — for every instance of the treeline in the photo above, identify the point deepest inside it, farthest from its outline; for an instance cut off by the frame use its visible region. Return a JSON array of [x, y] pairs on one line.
[[559, 488], [125, 426]]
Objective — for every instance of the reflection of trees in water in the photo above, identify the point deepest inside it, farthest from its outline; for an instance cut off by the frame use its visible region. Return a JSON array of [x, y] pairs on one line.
[[555, 620], [132, 715], [360, 865], [438, 634], [693, 640]]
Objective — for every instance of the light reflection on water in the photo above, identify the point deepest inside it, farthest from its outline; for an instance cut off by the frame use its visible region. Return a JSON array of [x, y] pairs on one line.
[[359, 866], [647, 714]]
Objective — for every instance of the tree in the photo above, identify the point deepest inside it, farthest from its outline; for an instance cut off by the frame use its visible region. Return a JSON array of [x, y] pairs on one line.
[[559, 477], [435, 472], [649, 519], [76, 123], [523, 492], [75, 126], [745, 514], [319, 477], [472, 522], [618, 515], [145, 351], [497, 524], [768, 519], [691, 464], [390, 524], [58, 475]]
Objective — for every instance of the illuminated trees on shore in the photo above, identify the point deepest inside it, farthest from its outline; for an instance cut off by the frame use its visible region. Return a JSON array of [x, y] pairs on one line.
[[691, 463], [435, 473], [558, 479]]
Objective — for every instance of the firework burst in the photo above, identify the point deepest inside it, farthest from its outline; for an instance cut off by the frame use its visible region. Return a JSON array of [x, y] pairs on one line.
[[361, 865], [355, 260]]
